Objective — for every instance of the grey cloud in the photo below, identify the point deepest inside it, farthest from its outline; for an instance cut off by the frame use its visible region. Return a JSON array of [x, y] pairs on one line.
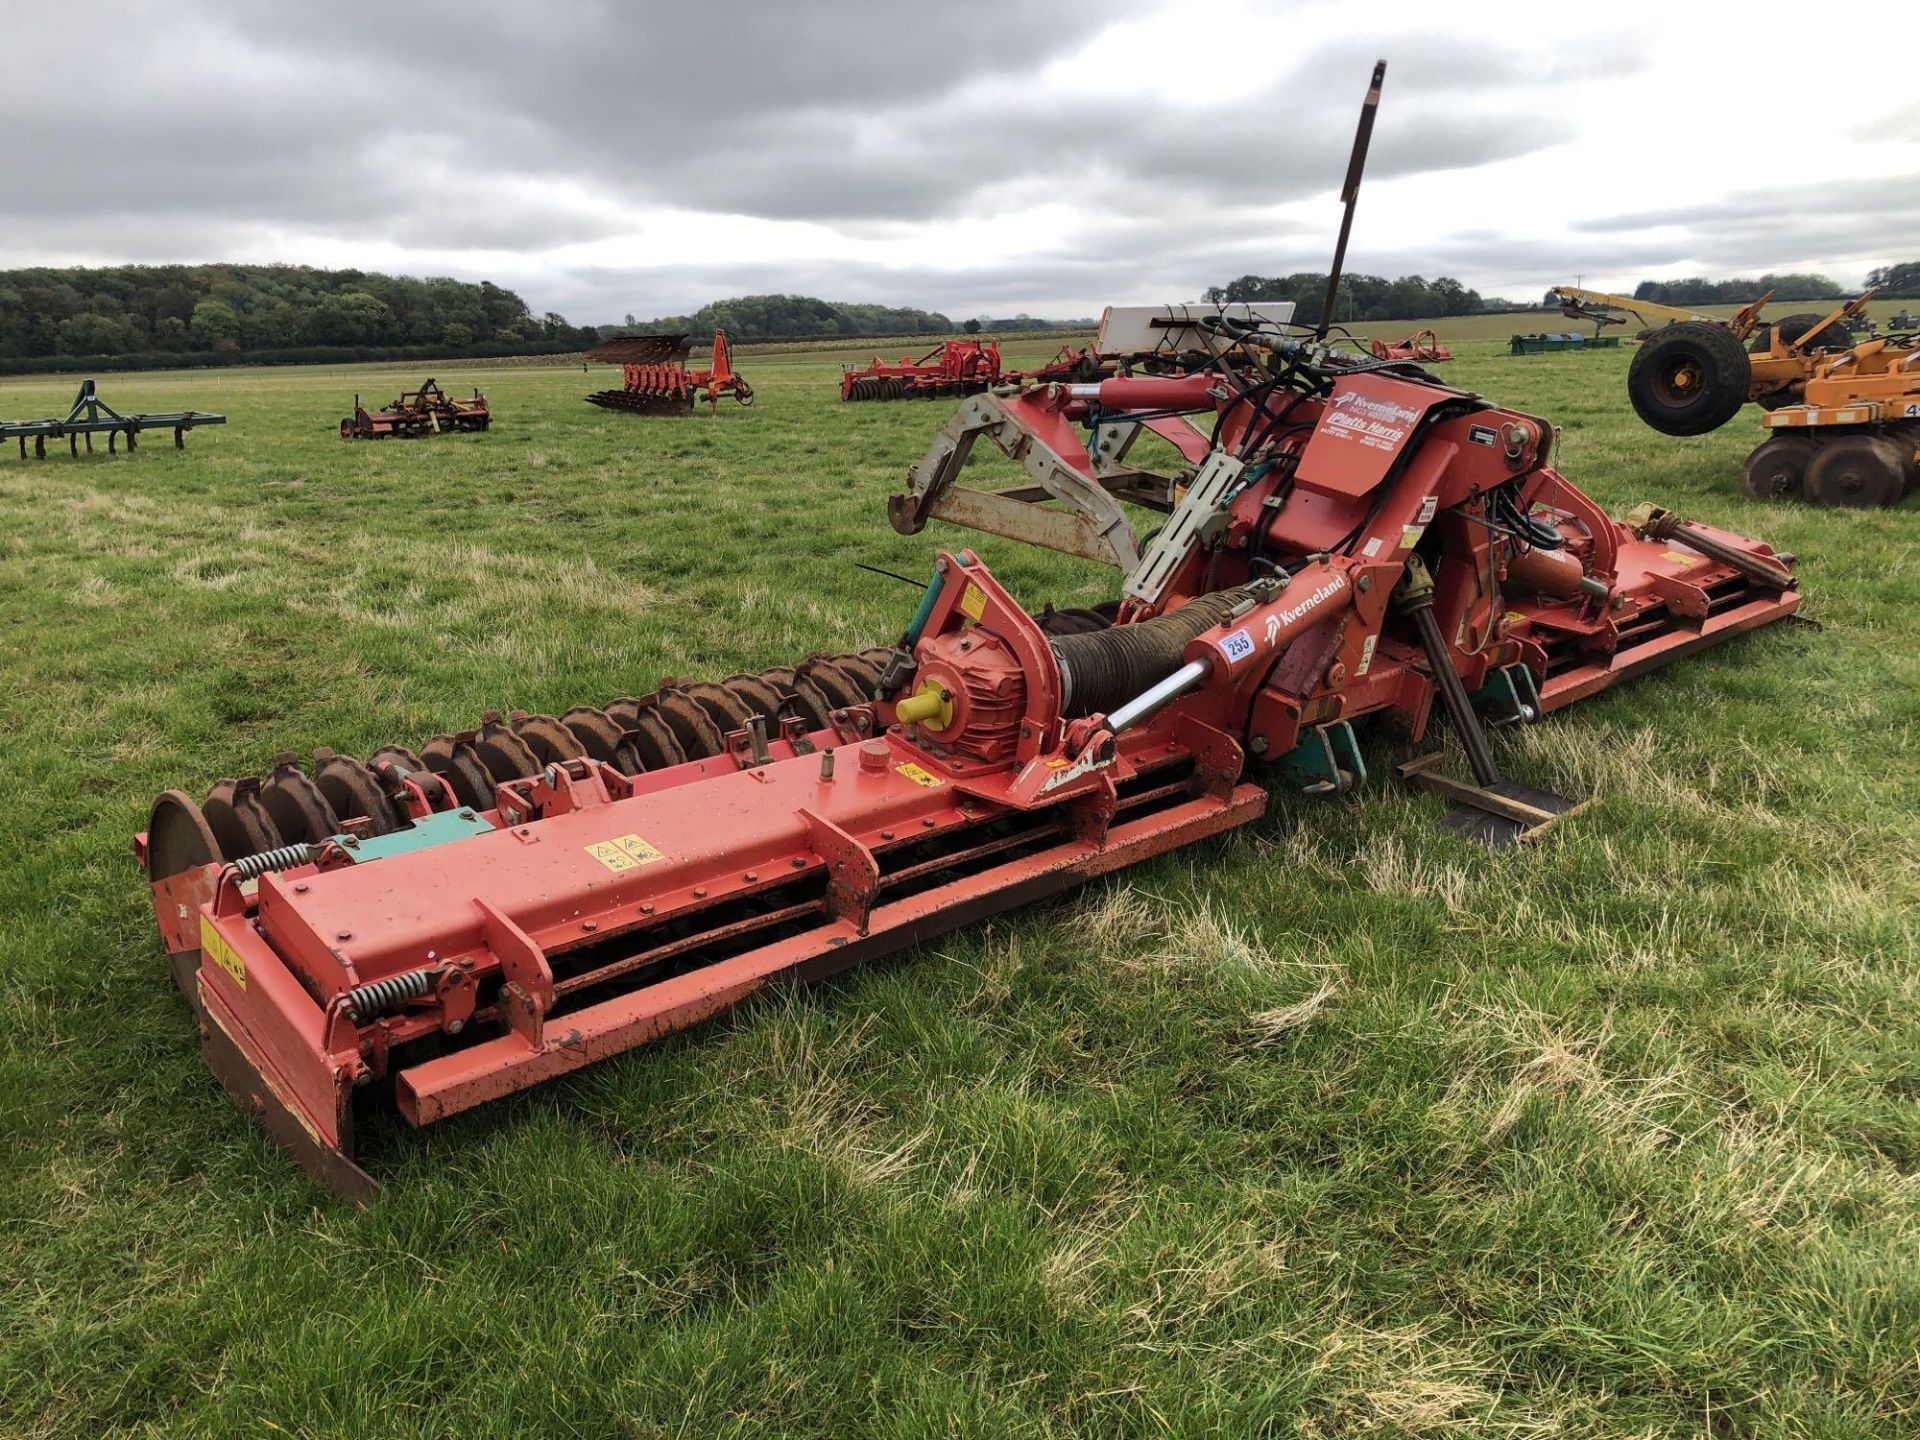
[[226, 127]]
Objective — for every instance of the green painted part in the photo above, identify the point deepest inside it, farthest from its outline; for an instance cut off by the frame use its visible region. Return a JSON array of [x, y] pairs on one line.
[[1548, 344], [440, 829], [1323, 752], [1507, 694], [924, 609]]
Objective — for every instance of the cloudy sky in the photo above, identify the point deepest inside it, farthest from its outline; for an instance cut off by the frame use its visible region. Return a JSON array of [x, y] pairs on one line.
[[976, 158]]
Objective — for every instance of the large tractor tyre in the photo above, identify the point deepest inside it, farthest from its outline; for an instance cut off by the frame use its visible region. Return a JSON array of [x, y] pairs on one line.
[[1859, 472], [1689, 379], [1796, 327], [1777, 470]]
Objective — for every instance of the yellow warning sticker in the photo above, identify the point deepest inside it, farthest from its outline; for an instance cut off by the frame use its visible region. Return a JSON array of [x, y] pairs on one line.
[[973, 601], [1677, 557], [624, 852], [918, 776], [1410, 536], [222, 954]]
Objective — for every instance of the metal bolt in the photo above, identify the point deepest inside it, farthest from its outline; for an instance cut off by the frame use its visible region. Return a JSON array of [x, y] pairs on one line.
[[1363, 584], [589, 925], [826, 764], [886, 834], [466, 814], [301, 888], [343, 935], [699, 892], [799, 862], [454, 1027], [1258, 745], [927, 824], [647, 908], [751, 876]]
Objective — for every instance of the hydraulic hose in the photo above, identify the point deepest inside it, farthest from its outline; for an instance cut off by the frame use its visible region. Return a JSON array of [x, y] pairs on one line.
[[1108, 667]]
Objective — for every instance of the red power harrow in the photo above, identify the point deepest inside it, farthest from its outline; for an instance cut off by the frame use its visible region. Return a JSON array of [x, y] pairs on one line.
[[655, 379], [1348, 540], [965, 367], [953, 367], [426, 411], [1424, 348]]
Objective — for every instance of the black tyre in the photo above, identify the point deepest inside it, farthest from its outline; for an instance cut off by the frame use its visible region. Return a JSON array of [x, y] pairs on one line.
[[1777, 470], [1795, 327], [1689, 379], [1860, 472], [1905, 440]]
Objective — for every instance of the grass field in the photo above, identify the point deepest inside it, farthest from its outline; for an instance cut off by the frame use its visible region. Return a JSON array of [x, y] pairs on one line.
[[1336, 1127]]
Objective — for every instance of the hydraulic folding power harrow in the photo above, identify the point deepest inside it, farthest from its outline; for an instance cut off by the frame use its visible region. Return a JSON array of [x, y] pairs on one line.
[[656, 380], [1347, 540], [428, 410]]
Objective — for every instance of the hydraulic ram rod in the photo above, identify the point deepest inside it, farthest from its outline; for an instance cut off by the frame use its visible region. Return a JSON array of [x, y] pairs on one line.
[[1187, 677]]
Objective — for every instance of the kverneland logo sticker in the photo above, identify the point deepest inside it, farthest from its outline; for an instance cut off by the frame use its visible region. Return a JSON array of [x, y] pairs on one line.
[[1379, 424], [1314, 601]]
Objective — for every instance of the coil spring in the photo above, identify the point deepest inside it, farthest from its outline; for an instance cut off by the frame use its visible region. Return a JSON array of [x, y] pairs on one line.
[[366, 1001], [252, 867]]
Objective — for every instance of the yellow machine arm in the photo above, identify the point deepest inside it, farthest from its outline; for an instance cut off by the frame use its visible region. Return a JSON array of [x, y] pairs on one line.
[[1578, 304]]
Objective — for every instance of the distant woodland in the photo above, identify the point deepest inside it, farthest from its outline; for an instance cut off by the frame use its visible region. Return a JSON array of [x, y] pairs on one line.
[[130, 317], [134, 316]]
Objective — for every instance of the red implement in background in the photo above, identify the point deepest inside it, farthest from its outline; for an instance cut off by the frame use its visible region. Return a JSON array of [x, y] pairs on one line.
[[1424, 348], [656, 380], [953, 367], [426, 411]]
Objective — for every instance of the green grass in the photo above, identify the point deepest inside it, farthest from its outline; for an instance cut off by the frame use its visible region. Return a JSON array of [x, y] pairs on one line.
[[1334, 1127]]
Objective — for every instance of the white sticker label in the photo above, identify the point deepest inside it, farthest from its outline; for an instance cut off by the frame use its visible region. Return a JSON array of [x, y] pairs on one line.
[[1366, 656], [1427, 507], [1911, 410], [1371, 548], [1064, 772], [1237, 646]]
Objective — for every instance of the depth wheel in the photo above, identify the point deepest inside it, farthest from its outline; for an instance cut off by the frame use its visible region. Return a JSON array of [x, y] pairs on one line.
[[1689, 378], [1777, 469], [1859, 472]]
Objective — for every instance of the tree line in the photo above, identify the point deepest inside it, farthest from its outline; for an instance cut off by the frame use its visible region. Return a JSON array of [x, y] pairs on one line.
[[217, 314], [1361, 297], [1698, 290], [1899, 282], [797, 317]]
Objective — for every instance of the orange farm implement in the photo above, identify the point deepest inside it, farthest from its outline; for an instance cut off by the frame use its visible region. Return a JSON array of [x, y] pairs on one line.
[[1843, 414], [1346, 541], [655, 379], [1424, 348], [953, 367], [91, 416], [426, 411]]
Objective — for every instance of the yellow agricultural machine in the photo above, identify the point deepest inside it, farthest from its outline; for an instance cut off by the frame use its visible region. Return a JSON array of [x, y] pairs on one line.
[[1845, 416]]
